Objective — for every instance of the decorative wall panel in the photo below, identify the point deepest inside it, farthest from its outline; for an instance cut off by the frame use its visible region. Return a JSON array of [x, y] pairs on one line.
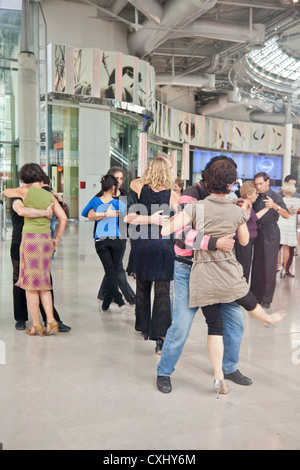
[[101, 74]]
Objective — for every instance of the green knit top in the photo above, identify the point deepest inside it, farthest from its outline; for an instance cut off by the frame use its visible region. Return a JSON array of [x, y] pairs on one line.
[[38, 199]]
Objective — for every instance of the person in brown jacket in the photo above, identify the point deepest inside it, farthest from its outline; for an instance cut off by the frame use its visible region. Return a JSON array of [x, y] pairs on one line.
[[217, 276]]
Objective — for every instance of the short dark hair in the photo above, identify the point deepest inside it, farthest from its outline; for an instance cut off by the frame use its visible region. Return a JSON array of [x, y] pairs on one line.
[[218, 158], [115, 169], [289, 178], [263, 175], [179, 182], [31, 173], [46, 179], [219, 175]]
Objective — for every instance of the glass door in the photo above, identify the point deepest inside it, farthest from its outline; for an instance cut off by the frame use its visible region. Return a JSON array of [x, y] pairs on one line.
[[124, 146]]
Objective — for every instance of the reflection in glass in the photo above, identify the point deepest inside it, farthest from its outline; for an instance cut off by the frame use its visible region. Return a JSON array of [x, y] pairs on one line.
[[124, 145], [10, 35], [63, 155]]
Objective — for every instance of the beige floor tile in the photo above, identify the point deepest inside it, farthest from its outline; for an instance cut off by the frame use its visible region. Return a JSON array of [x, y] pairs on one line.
[[95, 387]]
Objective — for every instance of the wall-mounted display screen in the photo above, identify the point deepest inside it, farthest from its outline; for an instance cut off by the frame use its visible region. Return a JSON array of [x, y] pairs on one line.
[[247, 165]]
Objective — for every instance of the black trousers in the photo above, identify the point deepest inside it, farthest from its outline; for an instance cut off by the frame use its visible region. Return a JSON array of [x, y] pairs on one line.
[[244, 256], [110, 251], [19, 295], [154, 321], [264, 265], [123, 284]]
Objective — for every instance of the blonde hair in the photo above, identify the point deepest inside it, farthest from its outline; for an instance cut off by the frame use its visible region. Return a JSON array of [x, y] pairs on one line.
[[158, 173], [288, 188], [247, 188]]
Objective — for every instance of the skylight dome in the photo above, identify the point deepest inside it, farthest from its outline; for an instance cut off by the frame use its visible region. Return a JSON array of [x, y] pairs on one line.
[[274, 64]]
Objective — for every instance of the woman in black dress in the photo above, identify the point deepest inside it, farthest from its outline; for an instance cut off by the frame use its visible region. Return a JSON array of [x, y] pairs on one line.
[[151, 258]]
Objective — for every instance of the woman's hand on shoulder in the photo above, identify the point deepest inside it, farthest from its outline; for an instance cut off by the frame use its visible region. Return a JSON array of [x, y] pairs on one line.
[[112, 212]]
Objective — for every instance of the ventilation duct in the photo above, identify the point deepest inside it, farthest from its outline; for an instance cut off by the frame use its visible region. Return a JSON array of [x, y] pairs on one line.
[[254, 37], [223, 102], [177, 14], [232, 99], [150, 8], [272, 118], [204, 80]]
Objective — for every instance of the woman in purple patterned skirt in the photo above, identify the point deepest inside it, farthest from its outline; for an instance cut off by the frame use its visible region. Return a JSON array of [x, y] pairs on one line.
[[37, 246]]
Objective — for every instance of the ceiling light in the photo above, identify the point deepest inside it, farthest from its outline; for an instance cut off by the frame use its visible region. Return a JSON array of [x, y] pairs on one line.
[[287, 3]]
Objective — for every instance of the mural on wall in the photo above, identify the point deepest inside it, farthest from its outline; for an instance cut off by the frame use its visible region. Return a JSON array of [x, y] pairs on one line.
[[83, 71], [127, 84], [151, 88], [101, 74], [60, 69], [202, 131], [116, 76], [141, 80], [108, 75]]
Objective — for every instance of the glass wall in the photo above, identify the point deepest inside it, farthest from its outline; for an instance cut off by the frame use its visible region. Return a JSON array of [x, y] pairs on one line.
[[155, 147], [63, 155], [124, 145], [10, 21]]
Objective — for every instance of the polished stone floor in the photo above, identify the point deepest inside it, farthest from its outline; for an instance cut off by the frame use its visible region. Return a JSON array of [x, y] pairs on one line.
[[95, 387]]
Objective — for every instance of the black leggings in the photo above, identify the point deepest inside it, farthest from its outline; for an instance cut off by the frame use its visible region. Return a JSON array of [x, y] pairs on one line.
[[213, 315]]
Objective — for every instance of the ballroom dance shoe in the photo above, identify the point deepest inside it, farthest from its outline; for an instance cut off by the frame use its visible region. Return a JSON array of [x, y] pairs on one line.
[[38, 329]]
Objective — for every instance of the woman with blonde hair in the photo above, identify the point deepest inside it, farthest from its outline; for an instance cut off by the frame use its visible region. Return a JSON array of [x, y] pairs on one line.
[[151, 258], [244, 254]]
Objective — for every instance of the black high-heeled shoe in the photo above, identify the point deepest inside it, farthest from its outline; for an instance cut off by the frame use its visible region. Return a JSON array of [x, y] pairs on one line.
[[159, 346]]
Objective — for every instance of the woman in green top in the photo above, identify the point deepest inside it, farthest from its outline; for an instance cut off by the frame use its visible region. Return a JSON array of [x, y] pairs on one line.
[[37, 246]]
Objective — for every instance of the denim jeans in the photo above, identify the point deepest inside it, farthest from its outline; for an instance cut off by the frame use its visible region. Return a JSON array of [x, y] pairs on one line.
[[52, 225], [182, 318]]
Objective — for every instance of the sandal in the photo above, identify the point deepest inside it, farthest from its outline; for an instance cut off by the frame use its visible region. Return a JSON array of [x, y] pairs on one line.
[[38, 329], [53, 328]]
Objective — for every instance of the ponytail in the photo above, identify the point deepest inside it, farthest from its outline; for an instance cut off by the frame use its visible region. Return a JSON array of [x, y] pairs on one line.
[[107, 183]]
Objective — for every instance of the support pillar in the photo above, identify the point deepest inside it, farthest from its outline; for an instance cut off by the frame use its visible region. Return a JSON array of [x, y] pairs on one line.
[[287, 157], [142, 157], [174, 163], [27, 87], [185, 166], [27, 108]]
